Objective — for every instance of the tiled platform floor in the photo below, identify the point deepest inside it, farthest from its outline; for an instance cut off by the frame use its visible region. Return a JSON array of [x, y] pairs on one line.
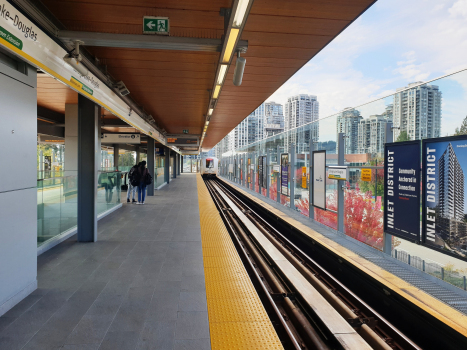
[[141, 286]]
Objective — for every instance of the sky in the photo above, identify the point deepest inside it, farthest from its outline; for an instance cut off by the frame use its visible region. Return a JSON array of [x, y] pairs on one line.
[[393, 43]]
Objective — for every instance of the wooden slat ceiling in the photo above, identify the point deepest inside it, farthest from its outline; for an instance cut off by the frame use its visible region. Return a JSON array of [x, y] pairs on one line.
[[173, 85]]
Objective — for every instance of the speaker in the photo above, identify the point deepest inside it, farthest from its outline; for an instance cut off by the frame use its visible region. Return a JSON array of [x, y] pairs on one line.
[[239, 68]]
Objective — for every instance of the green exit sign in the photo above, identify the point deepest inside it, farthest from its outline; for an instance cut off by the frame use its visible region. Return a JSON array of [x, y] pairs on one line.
[[185, 131], [156, 25]]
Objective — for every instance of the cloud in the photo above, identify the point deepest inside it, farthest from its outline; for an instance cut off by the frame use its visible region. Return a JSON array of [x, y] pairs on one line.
[[394, 43]]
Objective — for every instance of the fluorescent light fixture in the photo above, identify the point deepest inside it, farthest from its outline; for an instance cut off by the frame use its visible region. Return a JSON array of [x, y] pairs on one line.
[[217, 89], [210, 111], [207, 122], [229, 48], [222, 72], [240, 13]]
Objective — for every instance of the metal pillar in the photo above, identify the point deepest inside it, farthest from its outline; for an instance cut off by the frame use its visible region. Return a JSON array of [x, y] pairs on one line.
[[175, 166], [387, 238], [278, 182], [340, 186], [88, 164], [116, 155], [253, 172], [167, 165], [292, 176], [181, 165], [150, 164]]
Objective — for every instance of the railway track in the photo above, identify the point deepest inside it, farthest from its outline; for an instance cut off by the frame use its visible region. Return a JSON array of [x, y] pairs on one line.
[[309, 308]]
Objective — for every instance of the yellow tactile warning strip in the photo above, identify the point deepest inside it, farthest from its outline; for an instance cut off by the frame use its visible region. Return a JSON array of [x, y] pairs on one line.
[[426, 302], [237, 318]]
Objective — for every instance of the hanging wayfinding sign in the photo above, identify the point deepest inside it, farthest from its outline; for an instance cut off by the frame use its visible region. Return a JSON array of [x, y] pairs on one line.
[[121, 138], [285, 174], [443, 199], [402, 190], [319, 179], [338, 173]]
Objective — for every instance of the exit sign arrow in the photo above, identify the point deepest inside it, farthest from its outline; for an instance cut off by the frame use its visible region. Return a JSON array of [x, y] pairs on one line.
[[156, 25]]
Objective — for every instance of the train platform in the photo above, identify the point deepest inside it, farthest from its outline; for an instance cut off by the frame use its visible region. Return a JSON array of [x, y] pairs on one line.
[[164, 275]]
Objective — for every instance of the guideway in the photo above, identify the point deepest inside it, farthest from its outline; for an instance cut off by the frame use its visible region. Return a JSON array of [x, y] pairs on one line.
[[315, 310], [372, 301]]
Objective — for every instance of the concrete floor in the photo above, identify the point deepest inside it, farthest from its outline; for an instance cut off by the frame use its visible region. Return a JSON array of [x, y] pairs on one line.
[[141, 286]]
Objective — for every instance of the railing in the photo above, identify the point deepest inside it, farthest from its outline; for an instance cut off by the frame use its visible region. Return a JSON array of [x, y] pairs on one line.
[[432, 268]]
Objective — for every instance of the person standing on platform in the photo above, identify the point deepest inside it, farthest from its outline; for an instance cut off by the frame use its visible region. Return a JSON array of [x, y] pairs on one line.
[[142, 177], [132, 188]]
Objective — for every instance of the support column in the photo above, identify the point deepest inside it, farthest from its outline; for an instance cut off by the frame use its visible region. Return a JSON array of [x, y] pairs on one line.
[[88, 164], [150, 164], [167, 165], [71, 140], [387, 238], [340, 186], [179, 162], [116, 155], [181, 165], [174, 168], [268, 173]]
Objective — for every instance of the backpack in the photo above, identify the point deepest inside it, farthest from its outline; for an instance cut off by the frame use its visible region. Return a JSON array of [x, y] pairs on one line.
[[148, 179], [133, 177]]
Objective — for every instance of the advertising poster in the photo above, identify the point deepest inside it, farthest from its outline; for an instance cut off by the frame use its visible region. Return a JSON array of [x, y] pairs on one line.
[[303, 176], [260, 172], [265, 172], [444, 224], [402, 190], [241, 169], [47, 163], [319, 179], [249, 170], [285, 174]]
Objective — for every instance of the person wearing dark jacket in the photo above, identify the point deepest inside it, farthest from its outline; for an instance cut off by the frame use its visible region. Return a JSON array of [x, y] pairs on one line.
[[142, 173], [131, 189]]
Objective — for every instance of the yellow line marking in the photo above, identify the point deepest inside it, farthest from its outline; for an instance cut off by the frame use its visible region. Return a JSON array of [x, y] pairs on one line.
[[426, 302], [237, 318]]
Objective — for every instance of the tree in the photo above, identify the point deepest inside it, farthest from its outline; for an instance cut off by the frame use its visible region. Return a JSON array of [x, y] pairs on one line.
[[463, 129], [126, 159], [403, 136]]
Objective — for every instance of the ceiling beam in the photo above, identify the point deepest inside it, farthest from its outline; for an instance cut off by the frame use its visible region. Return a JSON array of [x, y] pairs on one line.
[[153, 42]]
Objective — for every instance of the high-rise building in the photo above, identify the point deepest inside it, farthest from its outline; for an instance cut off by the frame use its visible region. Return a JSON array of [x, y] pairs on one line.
[[300, 110], [372, 132], [450, 196], [347, 122], [417, 111], [273, 119]]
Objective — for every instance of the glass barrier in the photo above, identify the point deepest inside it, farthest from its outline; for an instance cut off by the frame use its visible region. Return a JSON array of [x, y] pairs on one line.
[[159, 178], [57, 200]]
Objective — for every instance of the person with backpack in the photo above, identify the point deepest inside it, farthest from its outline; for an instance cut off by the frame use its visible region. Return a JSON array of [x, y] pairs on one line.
[[131, 186], [144, 180]]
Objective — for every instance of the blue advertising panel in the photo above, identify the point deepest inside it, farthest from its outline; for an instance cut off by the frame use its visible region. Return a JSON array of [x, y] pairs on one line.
[[285, 174], [402, 190], [444, 226]]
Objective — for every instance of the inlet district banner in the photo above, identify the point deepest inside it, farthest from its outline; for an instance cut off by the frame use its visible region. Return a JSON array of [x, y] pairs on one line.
[[402, 190], [444, 206]]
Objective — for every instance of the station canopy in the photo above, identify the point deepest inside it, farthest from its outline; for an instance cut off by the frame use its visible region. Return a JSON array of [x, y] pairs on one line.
[[173, 77]]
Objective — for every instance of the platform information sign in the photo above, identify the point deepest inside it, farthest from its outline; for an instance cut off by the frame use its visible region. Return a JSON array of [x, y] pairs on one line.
[[303, 176], [444, 186], [366, 175], [285, 174], [402, 190], [319, 179]]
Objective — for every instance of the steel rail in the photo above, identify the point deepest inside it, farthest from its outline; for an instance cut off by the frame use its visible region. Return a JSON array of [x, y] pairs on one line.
[[377, 331]]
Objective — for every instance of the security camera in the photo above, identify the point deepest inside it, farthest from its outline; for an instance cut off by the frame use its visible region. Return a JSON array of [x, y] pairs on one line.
[[122, 89], [77, 65]]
